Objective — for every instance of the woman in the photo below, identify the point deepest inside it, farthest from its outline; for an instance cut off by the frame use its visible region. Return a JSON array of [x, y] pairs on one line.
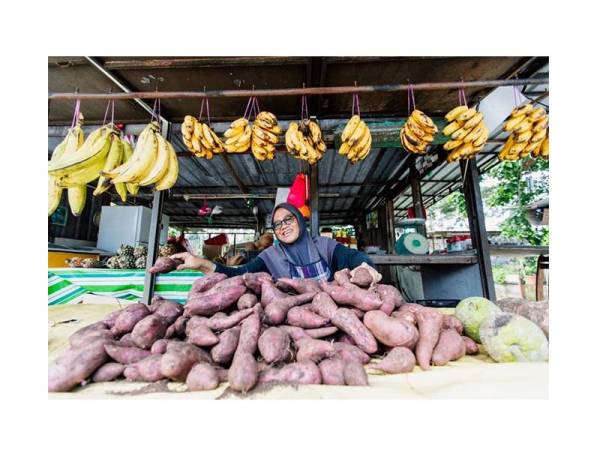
[[294, 255]]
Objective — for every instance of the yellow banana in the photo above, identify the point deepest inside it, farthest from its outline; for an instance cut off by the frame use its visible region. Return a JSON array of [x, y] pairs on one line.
[[234, 132], [315, 131], [513, 122], [523, 137], [94, 148], [474, 121], [290, 134], [54, 194], [523, 126], [359, 132], [521, 110], [452, 144], [258, 152], [424, 121], [459, 135], [170, 177], [452, 127], [115, 155], [483, 137], [77, 196], [265, 135], [455, 112], [197, 130], [545, 149], [322, 147], [344, 148], [466, 114], [132, 188], [475, 133], [161, 165], [540, 125], [537, 114], [412, 137], [239, 123], [143, 156], [350, 127]]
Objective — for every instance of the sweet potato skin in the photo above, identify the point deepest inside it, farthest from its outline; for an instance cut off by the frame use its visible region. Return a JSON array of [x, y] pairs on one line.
[[321, 332], [332, 371], [361, 277], [389, 294], [314, 350], [223, 352], [274, 345], [213, 301], [324, 305], [276, 311], [75, 365], [405, 315], [205, 283], [218, 323], [179, 359], [202, 377], [148, 369], [128, 318], [304, 317], [159, 347], [169, 311], [452, 322], [398, 360], [148, 330], [202, 336], [347, 352], [430, 325], [253, 281], [346, 320], [111, 318], [243, 373], [301, 286], [295, 333], [164, 264], [89, 333], [125, 354], [108, 372], [248, 300], [269, 293], [355, 375], [391, 331], [249, 333], [471, 347], [450, 347], [296, 373], [350, 295]]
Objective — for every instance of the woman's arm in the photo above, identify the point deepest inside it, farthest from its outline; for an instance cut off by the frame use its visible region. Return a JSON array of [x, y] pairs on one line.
[[344, 257], [256, 265]]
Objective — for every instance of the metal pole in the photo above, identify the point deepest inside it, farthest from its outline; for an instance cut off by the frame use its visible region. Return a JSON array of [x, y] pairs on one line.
[[477, 229], [328, 90], [313, 172], [154, 235]]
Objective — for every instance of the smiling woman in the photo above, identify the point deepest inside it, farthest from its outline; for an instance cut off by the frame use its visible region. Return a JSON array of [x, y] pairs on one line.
[[295, 254]]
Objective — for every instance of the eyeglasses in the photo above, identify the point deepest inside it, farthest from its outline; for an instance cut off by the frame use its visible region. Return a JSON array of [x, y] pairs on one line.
[[287, 220]]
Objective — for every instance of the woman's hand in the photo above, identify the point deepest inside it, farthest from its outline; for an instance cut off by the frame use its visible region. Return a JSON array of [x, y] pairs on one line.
[[194, 262]]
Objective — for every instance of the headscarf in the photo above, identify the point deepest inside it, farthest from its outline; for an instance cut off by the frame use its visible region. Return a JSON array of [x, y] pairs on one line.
[[303, 250]]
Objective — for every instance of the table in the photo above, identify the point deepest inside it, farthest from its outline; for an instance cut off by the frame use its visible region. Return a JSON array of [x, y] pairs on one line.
[[67, 285], [472, 377]]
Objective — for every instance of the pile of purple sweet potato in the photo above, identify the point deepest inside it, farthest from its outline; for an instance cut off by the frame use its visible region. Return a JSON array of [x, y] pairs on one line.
[[247, 330]]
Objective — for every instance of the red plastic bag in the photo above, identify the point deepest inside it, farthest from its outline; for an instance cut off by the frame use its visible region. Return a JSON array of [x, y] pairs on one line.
[[219, 239], [298, 190]]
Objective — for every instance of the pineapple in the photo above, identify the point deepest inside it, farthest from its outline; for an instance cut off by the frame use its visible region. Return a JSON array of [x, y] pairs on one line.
[[125, 250], [140, 250], [113, 262], [167, 250], [91, 263], [140, 263], [127, 261]]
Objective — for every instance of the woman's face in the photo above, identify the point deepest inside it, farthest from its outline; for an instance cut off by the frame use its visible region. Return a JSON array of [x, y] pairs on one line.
[[285, 226]]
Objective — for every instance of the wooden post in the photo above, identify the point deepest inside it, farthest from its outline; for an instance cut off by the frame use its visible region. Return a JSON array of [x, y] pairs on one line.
[[417, 197], [479, 237], [313, 172]]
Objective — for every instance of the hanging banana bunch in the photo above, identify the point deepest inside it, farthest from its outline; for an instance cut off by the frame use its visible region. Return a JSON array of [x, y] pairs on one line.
[[239, 135], [468, 133], [528, 128], [356, 136], [265, 134], [200, 138], [304, 141], [418, 132], [72, 141]]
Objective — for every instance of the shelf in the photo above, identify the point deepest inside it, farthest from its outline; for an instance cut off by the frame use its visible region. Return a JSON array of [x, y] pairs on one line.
[[519, 250], [416, 260]]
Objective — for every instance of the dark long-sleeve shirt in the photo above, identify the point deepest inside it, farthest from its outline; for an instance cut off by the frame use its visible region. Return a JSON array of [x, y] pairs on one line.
[[343, 257]]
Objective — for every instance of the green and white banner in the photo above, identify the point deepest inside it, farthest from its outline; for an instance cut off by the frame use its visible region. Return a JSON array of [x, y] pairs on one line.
[[66, 285]]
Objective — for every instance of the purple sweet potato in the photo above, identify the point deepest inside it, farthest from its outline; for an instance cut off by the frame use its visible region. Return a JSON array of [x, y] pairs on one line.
[[413, 308], [179, 326], [314, 350], [194, 321], [248, 300], [361, 277], [126, 340], [223, 352], [208, 303], [276, 311], [74, 365], [159, 347], [342, 277], [347, 321], [207, 282], [391, 331], [343, 337], [170, 311], [321, 332], [351, 295], [222, 322], [222, 374], [269, 293], [306, 372], [296, 333], [90, 333], [429, 322], [243, 373], [253, 281], [202, 377], [398, 360], [347, 352], [179, 359], [450, 347], [405, 315], [374, 275], [324, 305], [452, 322], [332, 371], [125, 354], [390, 294], [198, 353], [129, 317], [357, 312], [227, 283], [111, 318], [202, 336], [355, 375], [148, 330], [471, 347], [155, 302], [148, 369], [249, 333], [301, 286], [274, 345], [302, 316], [165, 264], [108, 372]]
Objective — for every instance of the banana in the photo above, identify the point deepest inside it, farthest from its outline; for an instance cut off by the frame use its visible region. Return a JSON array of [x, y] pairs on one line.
[[259, 152], [264, 144], [523, 137], [132, 188], [122, 191], [115, 155], [513, 122], [170, 177], [532, 147], [517, 148], [424, 121], [268, 118], [473, 121], [161, 165], [537, 114], [208, 136], [189, 121], [265, 135], [54, 194], [94, 148], [350, 127], [220, 147], [522, 110], [541, 124], [358, 133], [475, 133], [363, 144], [344, 148], [315, 131], [452, 127], [452, 144], [363, 151], [466, 114], [197, 130], [77, 196], [483, 137], [322, 147], [545, 148], [143, 156], [523, 126], [264, 124], [411, 146], [455, 112], [411, 136], [459, 135], [465, 149], [233, 132]]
